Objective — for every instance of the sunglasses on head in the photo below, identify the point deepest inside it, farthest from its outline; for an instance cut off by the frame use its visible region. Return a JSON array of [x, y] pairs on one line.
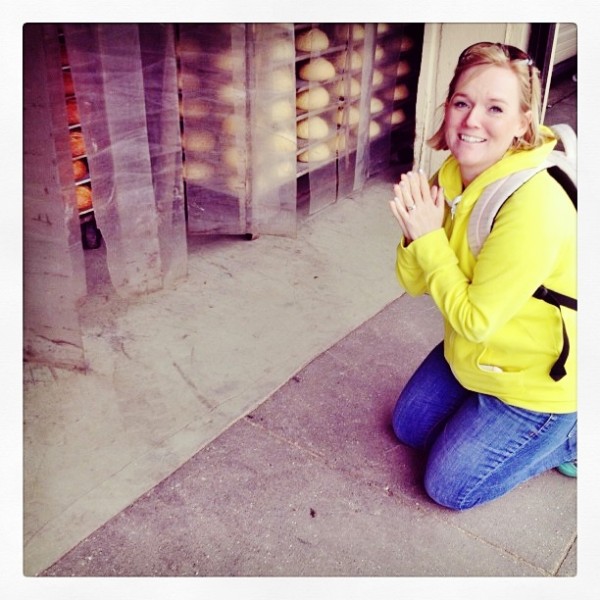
[[511, 52]]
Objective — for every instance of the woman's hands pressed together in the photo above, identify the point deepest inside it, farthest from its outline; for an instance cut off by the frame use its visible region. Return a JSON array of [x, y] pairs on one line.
[[418, 208]]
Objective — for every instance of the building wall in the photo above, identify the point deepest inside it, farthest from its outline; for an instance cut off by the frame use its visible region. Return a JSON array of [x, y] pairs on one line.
[[566, 42]]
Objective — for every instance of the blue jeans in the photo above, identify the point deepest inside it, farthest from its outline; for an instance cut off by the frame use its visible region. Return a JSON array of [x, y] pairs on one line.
[[478, 447]]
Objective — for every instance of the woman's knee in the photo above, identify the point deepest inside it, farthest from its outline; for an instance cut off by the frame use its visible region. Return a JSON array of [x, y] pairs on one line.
[[449, 491], [403, 424]]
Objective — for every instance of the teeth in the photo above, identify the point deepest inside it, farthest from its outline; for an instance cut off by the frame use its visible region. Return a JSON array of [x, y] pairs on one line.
[[470, 139]]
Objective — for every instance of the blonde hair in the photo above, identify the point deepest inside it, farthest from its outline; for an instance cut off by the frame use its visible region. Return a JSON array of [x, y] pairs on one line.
[[521, 64]]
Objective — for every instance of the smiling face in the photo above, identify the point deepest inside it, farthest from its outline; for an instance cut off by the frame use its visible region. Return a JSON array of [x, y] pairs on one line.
[[482, 118]]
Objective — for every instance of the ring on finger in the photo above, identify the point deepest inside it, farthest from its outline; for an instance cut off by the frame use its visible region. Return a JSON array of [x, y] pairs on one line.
[[412, 207]]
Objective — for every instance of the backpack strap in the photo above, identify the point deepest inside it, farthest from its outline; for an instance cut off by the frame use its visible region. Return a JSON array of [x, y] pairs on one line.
[[558, 371], [480, 224], [491, 200], [568, 138]]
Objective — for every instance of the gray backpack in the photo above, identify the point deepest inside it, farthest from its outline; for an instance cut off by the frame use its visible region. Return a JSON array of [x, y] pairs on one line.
[[561, 164]]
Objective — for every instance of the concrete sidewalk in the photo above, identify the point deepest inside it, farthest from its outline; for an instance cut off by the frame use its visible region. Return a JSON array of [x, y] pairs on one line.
[[313, 483]]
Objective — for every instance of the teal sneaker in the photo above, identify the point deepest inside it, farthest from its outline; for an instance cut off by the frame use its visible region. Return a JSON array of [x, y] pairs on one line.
[[569, 469]]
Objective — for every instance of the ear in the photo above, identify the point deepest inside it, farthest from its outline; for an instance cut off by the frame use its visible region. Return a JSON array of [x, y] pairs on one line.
[[524, 124]]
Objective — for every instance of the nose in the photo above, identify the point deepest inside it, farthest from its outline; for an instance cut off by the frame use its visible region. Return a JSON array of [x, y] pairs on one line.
[[473, 117]]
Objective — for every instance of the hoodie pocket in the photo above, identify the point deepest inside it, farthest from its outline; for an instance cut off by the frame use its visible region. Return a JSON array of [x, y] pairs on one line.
[[496, 374]]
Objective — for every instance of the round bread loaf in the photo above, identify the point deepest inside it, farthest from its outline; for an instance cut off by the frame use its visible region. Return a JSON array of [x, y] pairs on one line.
[[77, 143], [351, 113], [376, 105], [282, 80], [197, 171], [312, 128], [198, 141], [280, 111], [277, 175], [285, 170], [379, 53], [84, 197], [313, 98], [68, 81], [374, 129], [234, 157], [400, 92], [317, 69], [312, 40], [281, 50], [342, 62], [377, 77], [188, 46], [80, 170], [232, 124], [403, 68], [344, 85], [230, 93], [283, 144], [338, 143], [315, 153], [406, 43], [342, 32], [191, 108], [398, 117], [188, 81], [73, 112], [225, 61]]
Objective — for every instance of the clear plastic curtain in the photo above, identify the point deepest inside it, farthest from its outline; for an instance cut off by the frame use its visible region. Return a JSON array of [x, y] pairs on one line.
[[212, 84], [237, 103], [54, 271], [272, 139], [159, 70], [125, 89]]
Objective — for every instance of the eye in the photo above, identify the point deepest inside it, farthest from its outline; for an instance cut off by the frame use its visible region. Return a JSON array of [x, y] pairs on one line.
[[496, 109], [459, 104]]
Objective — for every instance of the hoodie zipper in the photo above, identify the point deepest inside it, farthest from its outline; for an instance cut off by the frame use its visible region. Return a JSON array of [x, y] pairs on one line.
[[454, 205]]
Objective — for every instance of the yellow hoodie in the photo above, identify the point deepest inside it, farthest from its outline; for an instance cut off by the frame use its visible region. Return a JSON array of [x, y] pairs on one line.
[[499, 340]]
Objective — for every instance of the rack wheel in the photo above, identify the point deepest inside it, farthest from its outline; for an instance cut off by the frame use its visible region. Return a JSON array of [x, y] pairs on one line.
[[90, 235]]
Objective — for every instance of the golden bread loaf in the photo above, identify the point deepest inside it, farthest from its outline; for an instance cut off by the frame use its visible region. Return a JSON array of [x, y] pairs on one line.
[[317, 69], [312, 40], [198, 141], [197, 171], [315, 153], [73, 112], [342, 87], [77, 143], [313, 98], [312, 128], [84, 197], [80, 170]]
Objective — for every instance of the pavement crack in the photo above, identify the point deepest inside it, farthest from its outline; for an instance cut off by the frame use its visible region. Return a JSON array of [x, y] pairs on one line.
[[191, 384], [287, 441]]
